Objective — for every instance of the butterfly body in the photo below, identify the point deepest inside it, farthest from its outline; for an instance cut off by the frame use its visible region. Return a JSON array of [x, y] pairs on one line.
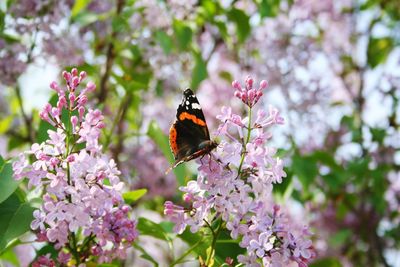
[[189, 137]]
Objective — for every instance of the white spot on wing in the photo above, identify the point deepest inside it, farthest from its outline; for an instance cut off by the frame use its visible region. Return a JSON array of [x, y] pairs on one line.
[[195, 106]]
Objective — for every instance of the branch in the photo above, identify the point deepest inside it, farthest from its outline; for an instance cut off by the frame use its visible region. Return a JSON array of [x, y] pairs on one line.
[[110, 54]]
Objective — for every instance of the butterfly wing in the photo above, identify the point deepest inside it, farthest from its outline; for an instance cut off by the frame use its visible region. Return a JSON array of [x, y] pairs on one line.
[[191, 115], [189, 130]]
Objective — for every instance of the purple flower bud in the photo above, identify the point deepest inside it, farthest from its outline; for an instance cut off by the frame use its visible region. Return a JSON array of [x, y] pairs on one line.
[[54, 86], [71, 158], [91, 86], [82, 100], [101, 125], [55, 112], [263, 84], [71, 99], [67, 76], [62, 102], [236, 85], [81, 111], [249, 82], [82, 75], [47, 107], [74, 121], [74, 72], [54, 161], [75, 83]]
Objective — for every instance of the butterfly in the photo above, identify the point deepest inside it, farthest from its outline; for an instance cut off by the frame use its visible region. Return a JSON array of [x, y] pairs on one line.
[[188, 136]]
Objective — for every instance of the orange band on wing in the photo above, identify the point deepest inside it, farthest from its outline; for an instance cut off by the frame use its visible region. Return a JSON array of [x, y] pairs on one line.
[[187, 116], [172, 140]]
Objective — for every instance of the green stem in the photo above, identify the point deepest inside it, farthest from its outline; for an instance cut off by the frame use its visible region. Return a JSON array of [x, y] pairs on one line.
[[214, 242], [246, 141], [184, 255]]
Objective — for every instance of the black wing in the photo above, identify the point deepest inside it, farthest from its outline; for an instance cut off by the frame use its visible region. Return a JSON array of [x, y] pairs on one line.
[[191, 115]]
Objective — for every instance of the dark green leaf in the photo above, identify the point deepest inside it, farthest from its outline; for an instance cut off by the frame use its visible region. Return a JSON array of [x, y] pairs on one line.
[[183, 34], [7, 183], [242, 21], [16, 219], [378, 134], [305, 168], [132, 196], [199, 71], [326, 262], [227, 249], [378, 50], [269, 8]]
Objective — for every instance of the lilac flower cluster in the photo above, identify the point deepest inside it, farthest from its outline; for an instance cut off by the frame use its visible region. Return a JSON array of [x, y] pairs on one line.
[[83, 212], [235, 185]]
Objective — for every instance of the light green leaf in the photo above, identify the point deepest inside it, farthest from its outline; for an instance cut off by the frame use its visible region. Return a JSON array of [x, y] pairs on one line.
[[165, 41], [5, 124], [145, 255], [79, 6], [183, 34], [147, 227], [133, 196], [7, 183]]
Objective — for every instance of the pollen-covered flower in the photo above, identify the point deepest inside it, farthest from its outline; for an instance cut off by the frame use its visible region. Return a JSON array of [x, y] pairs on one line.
[[235, 183], [82, 200]]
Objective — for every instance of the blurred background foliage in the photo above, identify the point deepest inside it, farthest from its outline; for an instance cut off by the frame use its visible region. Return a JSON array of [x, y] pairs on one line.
[[333, 69]]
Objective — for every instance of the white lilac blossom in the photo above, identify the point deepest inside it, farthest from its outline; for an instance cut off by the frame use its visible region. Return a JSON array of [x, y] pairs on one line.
[[83, 210], [235, 183]]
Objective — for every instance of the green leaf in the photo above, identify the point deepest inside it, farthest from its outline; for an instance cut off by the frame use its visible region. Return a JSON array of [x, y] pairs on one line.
[[7, 183], [305, 168], [147, 227], [165, 41], [183, 34], [10, 256], [378, 134], [157, 135], [339, 237], [86, 18], [199, 242], [378, 50], [16, 219], [242, 21], [269, 8], [79, 6], [227, 249], [145, 255], [326, 262], [199, 71], [133, 196]]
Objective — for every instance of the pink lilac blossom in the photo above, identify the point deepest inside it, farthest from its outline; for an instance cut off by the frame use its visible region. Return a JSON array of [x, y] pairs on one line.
[[81, 189], [235, 184]]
